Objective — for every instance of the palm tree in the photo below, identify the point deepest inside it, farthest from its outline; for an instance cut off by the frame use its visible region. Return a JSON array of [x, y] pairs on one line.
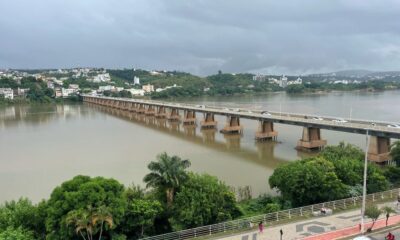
[[167, 174], [82, 223], [387, 211], [103, 216], [395, 152], [87, 221]]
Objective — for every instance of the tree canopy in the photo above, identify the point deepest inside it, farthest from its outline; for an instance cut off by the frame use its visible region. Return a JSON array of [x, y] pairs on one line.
[[203, 200]]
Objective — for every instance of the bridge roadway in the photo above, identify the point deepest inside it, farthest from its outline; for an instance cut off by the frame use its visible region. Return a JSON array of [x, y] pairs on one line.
[[380, 132]]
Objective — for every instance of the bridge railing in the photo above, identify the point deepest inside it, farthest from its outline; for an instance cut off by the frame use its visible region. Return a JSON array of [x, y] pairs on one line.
[[275, 218]]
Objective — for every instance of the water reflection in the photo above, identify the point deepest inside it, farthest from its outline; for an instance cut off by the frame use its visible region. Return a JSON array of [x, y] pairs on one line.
[[262, 153], [35, 115]]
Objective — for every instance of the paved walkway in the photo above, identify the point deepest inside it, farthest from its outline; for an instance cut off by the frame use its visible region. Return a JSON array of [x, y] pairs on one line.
[[324, 228]]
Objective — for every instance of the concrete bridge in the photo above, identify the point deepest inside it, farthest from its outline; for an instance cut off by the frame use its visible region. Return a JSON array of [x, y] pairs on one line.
[[311, 138]]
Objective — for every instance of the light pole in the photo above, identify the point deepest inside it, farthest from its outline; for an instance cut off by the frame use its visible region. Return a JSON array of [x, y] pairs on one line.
[[365, 180]]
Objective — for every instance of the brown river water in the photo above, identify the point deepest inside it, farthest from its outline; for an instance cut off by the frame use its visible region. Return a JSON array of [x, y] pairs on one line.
[[43, 145]]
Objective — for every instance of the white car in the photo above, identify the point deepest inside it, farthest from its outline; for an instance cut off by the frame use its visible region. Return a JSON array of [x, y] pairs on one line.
[[318, 118], [394, 125], [339, 120], [266, 113], [236, 110]]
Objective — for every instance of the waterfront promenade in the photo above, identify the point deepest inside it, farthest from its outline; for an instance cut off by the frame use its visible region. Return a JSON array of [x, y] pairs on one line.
[[336, 226]]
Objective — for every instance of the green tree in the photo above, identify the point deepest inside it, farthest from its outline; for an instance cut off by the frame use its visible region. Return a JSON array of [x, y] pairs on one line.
[[202, 200], [342, 151], [308, 181], [395, 152], [16, 234], [83, 193], [295, 88], [167, 175], [140, 215], [23, 214], [372, 212], [387, 211]]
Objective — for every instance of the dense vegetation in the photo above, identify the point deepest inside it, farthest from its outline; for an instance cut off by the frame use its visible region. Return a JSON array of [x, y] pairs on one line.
[[101, 208]]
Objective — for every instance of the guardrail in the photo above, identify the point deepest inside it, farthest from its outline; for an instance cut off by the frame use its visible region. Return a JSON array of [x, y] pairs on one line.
[[275, 218]]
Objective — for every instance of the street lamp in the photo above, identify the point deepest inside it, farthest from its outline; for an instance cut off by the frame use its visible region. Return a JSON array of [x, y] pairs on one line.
[[365, 180]]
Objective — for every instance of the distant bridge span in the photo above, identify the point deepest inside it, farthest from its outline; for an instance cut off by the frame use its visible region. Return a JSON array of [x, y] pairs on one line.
[[380, 132]]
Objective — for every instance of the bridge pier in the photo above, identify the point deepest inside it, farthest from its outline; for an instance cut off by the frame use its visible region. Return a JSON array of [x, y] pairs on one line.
[[379, 149], [266, 131], [189, 117], [141, 108], [150, 111], [174, 115], [132, 107], [311, 139], [209, 121], [161, 113], [232, 125]]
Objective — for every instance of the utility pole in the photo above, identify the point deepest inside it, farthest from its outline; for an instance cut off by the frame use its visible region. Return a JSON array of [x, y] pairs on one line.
[[365, 181]]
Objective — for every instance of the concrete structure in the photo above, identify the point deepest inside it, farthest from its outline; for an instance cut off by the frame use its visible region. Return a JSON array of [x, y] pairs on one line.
[[209, 121], [232, 125], [380, 132], [311, 139], [189, 117], [266, 131], [379, 149]]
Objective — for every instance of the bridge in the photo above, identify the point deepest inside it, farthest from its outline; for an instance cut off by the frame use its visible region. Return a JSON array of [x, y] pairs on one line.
[[380, 132]]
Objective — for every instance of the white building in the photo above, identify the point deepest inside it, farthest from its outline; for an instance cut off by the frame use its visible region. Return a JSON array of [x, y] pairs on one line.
[[105, 77], [297, 81], [7, 93], [283, 81], [148, 88], [259, 77], [136, 80], [66, 92], [106, 88], [136, 92]]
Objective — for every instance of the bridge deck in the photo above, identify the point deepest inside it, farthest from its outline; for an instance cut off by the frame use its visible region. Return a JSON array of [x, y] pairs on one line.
[[375, 128]]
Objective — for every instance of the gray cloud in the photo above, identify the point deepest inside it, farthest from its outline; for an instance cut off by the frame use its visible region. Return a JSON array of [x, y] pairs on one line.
[[199, 36]]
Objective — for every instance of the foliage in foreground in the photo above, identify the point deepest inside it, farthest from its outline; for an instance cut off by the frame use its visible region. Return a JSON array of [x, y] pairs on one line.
[[332, 175]]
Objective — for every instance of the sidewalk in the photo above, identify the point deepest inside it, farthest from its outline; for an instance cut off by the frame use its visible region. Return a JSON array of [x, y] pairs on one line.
[[328, 227]]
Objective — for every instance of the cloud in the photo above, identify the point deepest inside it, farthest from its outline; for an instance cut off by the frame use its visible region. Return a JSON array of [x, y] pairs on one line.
[[202, 37]]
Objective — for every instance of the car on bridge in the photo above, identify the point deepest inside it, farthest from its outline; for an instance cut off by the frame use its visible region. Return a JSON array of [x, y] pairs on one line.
[[393, 125], [339, 120], [318, 118], [266, 113]]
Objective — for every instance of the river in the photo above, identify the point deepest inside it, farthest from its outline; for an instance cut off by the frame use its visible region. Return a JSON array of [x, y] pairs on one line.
[[43, 145]]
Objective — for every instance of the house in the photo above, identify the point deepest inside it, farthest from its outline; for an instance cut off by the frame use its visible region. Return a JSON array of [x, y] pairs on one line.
[[283, 82], [50, 84], [148, 88], [7, 93], [74, 86]]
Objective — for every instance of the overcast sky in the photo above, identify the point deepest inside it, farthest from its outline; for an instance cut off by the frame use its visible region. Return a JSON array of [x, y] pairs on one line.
[[281, 36]]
